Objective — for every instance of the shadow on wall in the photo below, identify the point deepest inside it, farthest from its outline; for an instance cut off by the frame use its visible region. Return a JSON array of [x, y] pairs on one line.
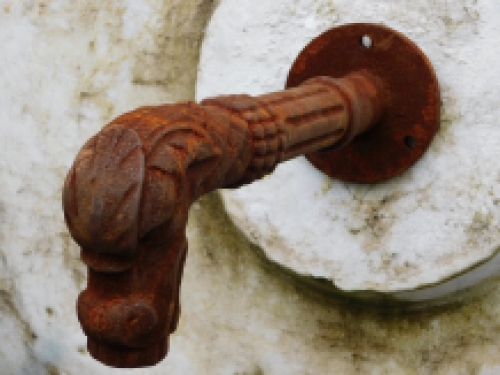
[[173, 61]]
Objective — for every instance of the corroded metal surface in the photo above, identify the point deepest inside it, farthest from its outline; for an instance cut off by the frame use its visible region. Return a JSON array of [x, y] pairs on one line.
[[127, 195], [411, 118]]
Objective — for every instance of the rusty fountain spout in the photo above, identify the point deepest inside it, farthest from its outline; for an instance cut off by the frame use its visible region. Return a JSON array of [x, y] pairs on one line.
[[126, 197]]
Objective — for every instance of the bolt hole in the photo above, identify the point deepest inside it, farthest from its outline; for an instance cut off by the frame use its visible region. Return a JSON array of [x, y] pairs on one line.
[[82, 350], [133, 319], [366, 41], [410, 141]]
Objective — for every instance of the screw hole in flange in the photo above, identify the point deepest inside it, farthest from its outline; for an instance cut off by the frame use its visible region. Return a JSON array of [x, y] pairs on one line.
[[366, 41], [382, 152], [410, 141]]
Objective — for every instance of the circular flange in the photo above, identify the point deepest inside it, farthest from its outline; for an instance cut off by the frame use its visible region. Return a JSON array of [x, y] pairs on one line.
[[411, 118]]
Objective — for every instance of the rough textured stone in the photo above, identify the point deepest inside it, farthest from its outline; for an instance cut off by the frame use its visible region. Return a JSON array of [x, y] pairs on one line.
[[65, 69], [431, 224], [241, 314]]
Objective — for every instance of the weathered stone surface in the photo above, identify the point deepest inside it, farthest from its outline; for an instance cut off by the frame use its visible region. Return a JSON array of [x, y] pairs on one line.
[[65, 69], [241, 315], [436, 221]]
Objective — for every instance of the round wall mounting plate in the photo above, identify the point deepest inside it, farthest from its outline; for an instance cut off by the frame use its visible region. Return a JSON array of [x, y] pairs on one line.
[[412, 115]]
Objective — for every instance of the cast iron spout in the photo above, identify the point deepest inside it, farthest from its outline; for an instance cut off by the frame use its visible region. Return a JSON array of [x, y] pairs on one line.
[[126, 197]]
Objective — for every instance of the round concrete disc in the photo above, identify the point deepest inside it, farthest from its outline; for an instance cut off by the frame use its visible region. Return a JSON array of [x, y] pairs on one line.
[[420, 235]]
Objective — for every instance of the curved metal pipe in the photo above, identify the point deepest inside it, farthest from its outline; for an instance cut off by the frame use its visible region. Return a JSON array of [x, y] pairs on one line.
[[126, 197]]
